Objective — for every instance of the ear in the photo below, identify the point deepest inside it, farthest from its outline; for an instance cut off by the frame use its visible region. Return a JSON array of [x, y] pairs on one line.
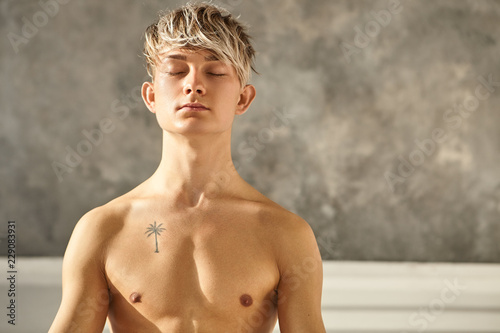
[[246, 98], [148, 96]]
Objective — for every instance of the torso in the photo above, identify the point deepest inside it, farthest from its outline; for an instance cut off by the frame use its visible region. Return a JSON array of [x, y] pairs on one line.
[[215, 269]]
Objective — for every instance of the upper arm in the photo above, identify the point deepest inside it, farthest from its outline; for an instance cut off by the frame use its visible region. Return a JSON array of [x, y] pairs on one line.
[[301, 279], [85, 299]]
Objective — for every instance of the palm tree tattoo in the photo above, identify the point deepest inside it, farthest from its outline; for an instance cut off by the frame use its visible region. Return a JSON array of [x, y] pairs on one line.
[[154, 229]]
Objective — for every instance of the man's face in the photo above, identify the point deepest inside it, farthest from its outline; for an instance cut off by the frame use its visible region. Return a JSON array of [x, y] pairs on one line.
[[198, 78]]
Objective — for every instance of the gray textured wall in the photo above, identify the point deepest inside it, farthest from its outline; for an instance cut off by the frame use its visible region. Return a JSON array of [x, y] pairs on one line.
[[358, 93]]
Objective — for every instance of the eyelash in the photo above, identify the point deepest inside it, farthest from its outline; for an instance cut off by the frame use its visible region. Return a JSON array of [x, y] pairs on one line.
[[179, 73]]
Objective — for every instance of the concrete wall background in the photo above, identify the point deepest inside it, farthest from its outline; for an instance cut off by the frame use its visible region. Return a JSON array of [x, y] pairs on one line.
[[358, 103]]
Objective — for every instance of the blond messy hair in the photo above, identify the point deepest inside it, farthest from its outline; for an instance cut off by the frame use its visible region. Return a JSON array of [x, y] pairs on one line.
[[201, 26]]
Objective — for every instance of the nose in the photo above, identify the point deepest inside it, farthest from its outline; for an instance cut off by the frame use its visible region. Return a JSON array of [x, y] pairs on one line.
[[193, 84]]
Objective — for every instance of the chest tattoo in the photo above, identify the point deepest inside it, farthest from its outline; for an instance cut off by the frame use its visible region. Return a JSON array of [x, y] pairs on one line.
[[156, 230]]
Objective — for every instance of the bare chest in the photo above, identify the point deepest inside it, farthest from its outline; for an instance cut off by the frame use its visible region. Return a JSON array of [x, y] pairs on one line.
[[200, 271]]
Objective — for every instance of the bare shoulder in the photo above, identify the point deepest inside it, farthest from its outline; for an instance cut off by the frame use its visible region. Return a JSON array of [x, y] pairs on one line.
[[95, 227], [292, 237], [285, 223], [104, 217]]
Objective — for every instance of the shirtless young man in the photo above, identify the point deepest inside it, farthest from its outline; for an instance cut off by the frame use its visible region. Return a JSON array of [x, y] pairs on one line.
[[194, 248]]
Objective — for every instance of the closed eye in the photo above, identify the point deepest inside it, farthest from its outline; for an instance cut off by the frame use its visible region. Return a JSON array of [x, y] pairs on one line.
[[174, 74], [215, 74]]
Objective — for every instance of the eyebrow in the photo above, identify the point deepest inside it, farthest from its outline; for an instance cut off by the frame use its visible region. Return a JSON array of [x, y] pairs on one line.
[[183, 57]]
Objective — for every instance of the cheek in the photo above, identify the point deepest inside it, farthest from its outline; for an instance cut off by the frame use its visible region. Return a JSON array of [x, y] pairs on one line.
[[231, 95], [164, 103], [228, 101], [163, 93]]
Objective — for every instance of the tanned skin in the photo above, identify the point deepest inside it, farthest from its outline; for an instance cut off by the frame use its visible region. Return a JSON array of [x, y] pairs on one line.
[[194, 248]]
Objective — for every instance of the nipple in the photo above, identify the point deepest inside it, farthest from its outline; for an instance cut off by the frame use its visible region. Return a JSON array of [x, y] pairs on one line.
[[274, 296], [246, 300], [135, 297]]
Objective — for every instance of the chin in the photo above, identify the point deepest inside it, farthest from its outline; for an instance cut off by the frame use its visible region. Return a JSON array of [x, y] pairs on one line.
[[191, 130], [194, 127]]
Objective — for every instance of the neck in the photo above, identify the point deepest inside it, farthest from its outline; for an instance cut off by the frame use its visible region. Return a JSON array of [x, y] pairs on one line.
[[194, 168]]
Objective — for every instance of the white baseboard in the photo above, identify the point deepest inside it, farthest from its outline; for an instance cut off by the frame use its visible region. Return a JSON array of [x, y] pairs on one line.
[[358, 297], [410, 297]]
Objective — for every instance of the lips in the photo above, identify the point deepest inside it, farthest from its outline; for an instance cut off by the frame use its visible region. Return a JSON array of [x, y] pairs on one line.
[[194, 107]]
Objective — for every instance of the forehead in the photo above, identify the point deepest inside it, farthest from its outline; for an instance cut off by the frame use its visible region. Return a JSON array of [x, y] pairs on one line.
[[188, 55]]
